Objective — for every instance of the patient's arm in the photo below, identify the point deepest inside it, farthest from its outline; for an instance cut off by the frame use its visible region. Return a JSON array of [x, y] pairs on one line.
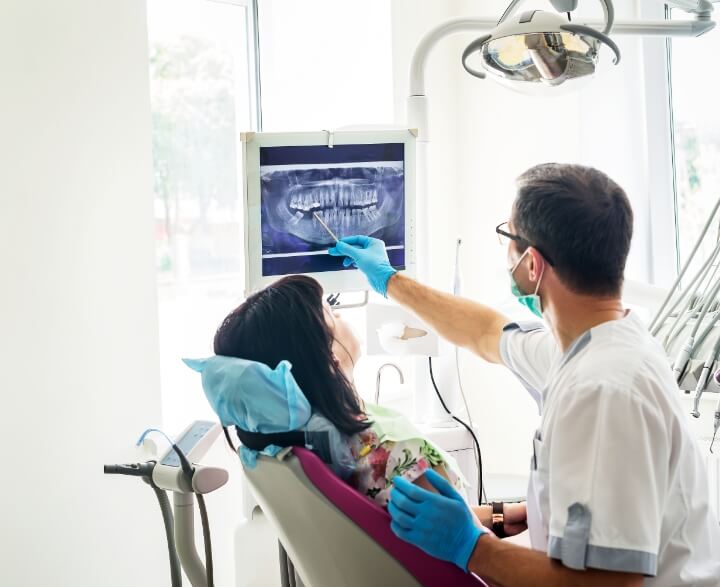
[[422, 482]]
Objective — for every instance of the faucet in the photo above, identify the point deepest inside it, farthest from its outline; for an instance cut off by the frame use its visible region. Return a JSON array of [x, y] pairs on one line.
[[377, 381]]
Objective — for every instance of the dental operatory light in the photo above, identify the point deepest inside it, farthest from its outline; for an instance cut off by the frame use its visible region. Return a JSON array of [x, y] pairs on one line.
[[536, 49]]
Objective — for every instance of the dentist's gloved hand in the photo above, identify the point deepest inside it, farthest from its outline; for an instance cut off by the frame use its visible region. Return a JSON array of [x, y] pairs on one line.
[[369, 255], [441, 525]]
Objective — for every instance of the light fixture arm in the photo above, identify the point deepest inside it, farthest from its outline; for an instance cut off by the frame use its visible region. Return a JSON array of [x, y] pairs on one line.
[[469, 50], [700, 7], [567, 6]]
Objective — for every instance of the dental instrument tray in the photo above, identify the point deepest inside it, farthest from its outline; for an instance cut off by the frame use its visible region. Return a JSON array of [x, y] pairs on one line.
[[303, 188]]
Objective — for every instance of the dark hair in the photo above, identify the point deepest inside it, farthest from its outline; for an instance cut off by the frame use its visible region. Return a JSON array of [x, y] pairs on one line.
[[286, 320], [582, 219]]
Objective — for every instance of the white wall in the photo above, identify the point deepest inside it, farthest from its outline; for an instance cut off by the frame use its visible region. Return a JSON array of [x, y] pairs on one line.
[[411, 20], [79, 362], [483, 137]]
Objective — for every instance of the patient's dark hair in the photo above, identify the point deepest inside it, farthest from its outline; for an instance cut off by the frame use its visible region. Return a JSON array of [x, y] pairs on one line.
[[286, 321]]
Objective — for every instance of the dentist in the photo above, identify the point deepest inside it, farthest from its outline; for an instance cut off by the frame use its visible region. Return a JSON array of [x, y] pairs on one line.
[[618, 492]]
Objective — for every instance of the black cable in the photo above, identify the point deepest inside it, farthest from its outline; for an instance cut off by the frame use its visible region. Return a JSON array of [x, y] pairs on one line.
[[188, 471], [469, 429], [185, 465], [206, 539]]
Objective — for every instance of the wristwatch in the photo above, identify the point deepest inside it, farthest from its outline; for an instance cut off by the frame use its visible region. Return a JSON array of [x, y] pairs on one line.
[[498, 519]]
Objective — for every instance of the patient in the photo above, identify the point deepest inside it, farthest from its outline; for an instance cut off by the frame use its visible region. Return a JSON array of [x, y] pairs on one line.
[[290, 320]]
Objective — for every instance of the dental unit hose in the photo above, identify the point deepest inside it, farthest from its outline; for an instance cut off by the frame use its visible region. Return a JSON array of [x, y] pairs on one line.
[[209, 570], [706, 307], [168, 522], [188, 471], [145, 471], [709, 362], [707, 330], [688, 294], [693, 301], [700, 388], [716, 422], [708, 223], [705, 376], [683, 356], [700, 340]]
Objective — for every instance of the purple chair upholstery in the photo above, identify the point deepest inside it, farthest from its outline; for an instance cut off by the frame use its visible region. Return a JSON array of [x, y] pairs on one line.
[[375, 521]]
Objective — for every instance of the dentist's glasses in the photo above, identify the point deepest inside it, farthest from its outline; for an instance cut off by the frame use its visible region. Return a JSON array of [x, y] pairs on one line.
[[505, 237]]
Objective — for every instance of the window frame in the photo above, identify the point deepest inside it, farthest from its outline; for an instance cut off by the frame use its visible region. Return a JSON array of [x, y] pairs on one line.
[[173, 415], [252, 35], [661, 164]]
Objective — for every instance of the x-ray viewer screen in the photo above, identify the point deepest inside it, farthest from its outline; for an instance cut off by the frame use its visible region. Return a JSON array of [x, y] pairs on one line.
[[354, 189]]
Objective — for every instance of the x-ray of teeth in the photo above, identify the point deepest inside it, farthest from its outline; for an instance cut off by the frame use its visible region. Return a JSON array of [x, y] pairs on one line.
[[351, 200], [353, 197]]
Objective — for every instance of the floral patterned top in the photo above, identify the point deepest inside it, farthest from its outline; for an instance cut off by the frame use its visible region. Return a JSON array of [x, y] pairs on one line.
[[379, 461]]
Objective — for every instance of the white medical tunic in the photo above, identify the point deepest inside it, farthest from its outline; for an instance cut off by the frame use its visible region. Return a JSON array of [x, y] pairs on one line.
[[618, 482]]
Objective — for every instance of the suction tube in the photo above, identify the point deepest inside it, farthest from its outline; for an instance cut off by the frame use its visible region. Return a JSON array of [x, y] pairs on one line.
[[675, 285], [175, 574]]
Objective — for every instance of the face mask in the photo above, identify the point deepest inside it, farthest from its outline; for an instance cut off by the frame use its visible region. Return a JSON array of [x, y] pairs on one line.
[[531, 301]]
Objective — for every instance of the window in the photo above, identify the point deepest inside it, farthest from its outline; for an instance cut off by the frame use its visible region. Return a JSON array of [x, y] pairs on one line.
[[696, 128], [324, 64], [201, 86]]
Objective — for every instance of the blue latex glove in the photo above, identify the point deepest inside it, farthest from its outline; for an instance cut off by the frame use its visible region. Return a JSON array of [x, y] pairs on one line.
[[440, 524], [369, 255]]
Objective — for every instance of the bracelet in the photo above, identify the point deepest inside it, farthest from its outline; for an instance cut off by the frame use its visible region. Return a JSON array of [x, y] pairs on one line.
[[498, 519]]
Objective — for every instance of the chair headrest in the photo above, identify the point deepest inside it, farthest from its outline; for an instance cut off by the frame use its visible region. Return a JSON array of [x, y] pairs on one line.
[[253, 397]]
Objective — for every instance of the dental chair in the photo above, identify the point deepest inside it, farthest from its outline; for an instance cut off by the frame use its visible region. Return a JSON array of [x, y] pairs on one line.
[[332, 536]]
